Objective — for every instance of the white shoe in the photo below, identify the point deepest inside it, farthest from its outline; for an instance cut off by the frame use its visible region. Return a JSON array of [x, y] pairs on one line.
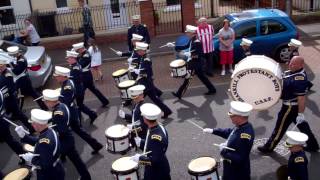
[[223, 72], [231, 70]]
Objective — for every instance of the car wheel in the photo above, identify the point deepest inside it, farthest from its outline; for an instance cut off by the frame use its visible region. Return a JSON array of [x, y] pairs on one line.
[[283, 54]]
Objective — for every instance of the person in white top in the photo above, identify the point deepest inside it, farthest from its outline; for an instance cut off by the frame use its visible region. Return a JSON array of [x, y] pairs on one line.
[[31, 33], [95, 60]]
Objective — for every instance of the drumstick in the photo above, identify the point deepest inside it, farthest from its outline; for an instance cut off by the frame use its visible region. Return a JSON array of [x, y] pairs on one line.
[[195, 124], [14, 124], [166, 44], [38, 98], [225, 147], [113, 50], [143, 154]]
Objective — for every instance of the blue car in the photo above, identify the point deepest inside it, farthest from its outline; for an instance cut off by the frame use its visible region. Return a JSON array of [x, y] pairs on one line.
[[269, 29]]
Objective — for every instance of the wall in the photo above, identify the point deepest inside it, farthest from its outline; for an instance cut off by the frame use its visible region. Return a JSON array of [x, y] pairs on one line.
[[21, 6]]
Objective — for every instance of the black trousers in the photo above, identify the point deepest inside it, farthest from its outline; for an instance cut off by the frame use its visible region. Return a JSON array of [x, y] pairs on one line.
[[82, 107], [151, 93], [76, 127], [5, 135], [208, 62], [196, 69], [68, 149], [286, 116], [89, 84], [25, 86]]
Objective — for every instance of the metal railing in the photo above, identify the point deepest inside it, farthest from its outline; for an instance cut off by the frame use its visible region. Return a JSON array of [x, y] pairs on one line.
[[305, 6]]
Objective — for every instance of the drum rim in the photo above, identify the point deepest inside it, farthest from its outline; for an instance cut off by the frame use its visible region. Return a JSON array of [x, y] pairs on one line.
[[206, 172], [175, 67], [117, 138], [276, 77], [119, 75], [126, 172], [127, 87], [28, 150], [27, 170]]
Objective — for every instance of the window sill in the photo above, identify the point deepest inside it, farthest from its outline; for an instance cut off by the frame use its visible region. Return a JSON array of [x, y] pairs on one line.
[[177, 7]]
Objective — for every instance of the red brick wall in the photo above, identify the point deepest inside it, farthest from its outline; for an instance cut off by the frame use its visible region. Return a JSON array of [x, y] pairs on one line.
[[187, 13], [147, 16]]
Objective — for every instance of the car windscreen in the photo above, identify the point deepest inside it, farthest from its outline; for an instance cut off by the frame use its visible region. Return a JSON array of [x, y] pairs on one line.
[[5, 44]]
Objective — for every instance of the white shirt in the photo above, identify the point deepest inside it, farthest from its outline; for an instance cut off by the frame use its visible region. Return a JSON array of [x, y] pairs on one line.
[[95, 56], [33, 34]]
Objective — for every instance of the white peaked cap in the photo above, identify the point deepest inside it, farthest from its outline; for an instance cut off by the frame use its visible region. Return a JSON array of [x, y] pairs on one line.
[[295, 43], [61, 71], [78, 46], [136, 90], [246, 42], [190, 28], [50, 95], [141, 46], [136, 17], [40, 116], [202, 19], [137, 37], [71, 54], [13, 50], [240, 108], [296, 138], [150, 111]]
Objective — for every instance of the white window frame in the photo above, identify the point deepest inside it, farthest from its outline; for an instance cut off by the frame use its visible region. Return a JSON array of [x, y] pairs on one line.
[[177, 7], [11, 26]]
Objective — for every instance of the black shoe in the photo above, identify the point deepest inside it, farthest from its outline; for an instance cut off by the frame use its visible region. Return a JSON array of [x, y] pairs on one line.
[[160, 94], [93, 118], [210, 92], [126, 103], [165, 116], [63, 159], [264, 149], [97, 149], [176, 95], [105, 104]]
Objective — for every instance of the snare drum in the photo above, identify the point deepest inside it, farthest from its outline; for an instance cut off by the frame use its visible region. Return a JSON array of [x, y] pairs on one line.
[[124, 86], [203, 168], [124, 168], [257, 80], [178, 68], [19, 174], [117, 139], [120, 75], [28, 148]]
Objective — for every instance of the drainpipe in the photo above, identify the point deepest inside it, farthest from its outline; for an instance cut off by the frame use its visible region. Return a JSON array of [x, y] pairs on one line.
[[30, 4]]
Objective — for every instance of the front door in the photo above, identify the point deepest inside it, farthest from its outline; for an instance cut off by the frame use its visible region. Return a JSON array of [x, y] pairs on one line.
[[116, 14]]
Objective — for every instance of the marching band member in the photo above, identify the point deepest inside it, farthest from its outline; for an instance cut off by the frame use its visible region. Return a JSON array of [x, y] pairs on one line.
[[137, 28], [145, 77], [236, 164], [135, 119], [298, 161], [84, 60], [67, 97], [47, 147], [194, 65], [245, 45], [61, 118], [20, 71], [75, 75], [156, 163], [295, 83]]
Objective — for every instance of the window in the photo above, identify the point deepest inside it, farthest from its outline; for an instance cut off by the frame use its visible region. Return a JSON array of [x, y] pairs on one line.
[[6, 13], [271, 27], [172, 2], [61, 3], [246, 30]]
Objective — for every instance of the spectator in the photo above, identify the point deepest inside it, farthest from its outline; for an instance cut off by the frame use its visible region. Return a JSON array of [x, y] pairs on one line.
[[205, 34], [87, 25], [30, 32], [226, 38], [95, 60]]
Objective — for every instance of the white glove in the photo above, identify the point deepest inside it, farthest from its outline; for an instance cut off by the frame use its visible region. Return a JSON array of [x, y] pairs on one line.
[[208, 130], [129, 60], [119, 53], [188, 54], [300, 118], [170, 44], [129, 126], [135, 158], [188, 75], [20, 131], [121, 113], [131, 69], [28, 156], [222, 145], [137, 71], [137, 140]]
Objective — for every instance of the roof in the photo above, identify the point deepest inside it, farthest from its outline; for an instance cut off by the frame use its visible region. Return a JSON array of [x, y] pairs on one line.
[[257, 13]]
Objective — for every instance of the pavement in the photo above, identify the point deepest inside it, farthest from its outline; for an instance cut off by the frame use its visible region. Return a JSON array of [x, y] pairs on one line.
[[187, 141]]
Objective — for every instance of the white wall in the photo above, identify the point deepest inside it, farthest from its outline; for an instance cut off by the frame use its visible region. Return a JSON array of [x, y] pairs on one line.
[[21, 6]]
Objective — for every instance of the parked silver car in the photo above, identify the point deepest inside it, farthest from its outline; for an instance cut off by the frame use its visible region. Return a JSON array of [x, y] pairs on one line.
[[39, 63]]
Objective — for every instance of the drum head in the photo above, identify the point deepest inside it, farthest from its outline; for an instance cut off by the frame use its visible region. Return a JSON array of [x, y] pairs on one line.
[[117, 131], [202, 164], [18, 174], [126, 84], [119, 72], [28, 148], [257, 80], [177, 63], [124, 164]]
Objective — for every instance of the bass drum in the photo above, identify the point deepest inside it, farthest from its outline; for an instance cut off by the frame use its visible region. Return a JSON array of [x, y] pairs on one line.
[[257, 80]]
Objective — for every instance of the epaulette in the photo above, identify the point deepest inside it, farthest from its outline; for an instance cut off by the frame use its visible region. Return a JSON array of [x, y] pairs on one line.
[[66, 87], [245, 136], [144, 162], [86, 55], [44, 140], [58, 113], [298, 159], [299, 78], [156, 137]]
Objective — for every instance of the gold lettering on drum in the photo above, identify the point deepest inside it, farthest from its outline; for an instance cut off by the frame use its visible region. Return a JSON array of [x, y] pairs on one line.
[[261, 101]]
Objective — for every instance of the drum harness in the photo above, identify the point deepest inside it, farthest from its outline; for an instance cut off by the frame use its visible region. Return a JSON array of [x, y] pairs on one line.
[[226, 143], [147, 137], [284, 76]]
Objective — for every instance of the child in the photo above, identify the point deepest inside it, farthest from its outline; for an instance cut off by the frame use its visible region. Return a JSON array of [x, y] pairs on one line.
[[95, 60]]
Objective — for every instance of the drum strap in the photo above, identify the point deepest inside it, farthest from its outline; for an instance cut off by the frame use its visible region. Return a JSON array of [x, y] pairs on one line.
[[302, 72], [163, 130], [68, 113], [145, 144], [232, 132], [56, 139]]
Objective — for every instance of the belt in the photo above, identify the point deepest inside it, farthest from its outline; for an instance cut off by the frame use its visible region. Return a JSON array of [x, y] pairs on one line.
[[288, 103]]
